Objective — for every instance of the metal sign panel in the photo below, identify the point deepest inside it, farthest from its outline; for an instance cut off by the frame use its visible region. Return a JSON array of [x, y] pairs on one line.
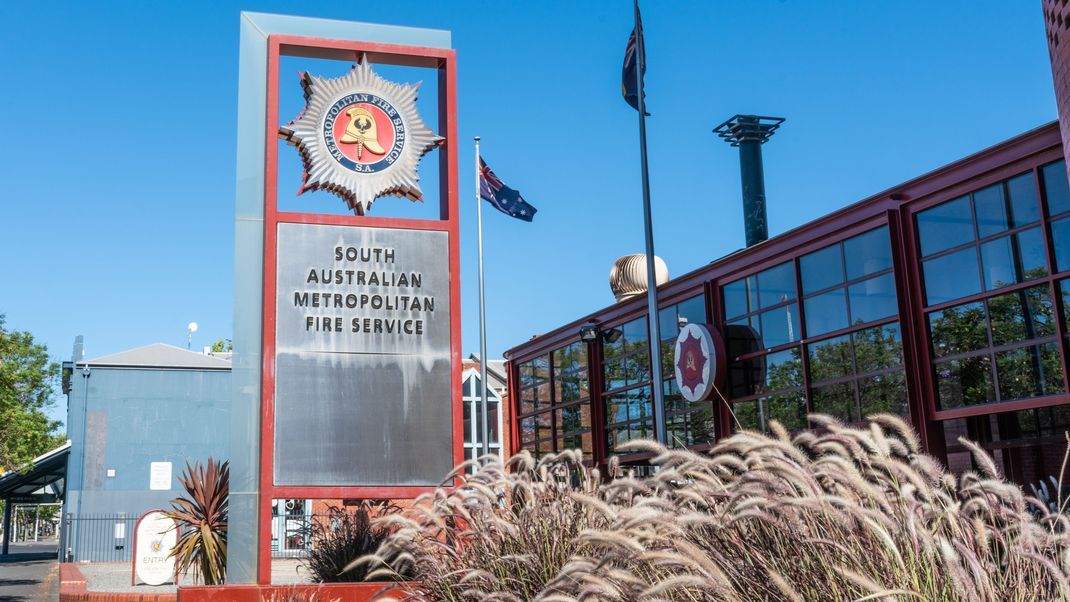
[[362, 356]]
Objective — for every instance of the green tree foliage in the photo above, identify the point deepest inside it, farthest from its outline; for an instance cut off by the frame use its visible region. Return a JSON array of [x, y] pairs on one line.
[[27, 379], [222, 345]]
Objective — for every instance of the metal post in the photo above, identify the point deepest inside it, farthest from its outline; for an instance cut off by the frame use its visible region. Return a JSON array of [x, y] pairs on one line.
[[482, 315], [752, 177], [653, 327], [749, 133], [36, 519], [7, 526]]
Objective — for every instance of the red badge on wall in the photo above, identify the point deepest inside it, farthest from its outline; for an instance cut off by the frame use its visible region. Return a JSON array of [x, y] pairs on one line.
[[695, 362]]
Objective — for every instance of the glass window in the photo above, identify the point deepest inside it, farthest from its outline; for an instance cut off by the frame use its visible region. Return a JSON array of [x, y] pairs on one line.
[[1013, 259], [993, 214], [951, 276], [966, 381], [629, 415], [626, 358], [878, 348], [883, 393], [687, 423], [745, 416], [821, 269], [740, 297], [1022, 315], [1029, 372], [1064, 290], [837, 401], [867, 253], [1056, 188], [826, 312], [831, 359], [871, 299], [1060, 235], [998, 211], [776, 285], [780, 326], [945, 226], [1024, 201], [789, 409], [958, 329]]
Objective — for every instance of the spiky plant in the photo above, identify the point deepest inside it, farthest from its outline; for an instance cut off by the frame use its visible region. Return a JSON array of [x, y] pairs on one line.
[[847, 513], [202, 521], [344, 535]]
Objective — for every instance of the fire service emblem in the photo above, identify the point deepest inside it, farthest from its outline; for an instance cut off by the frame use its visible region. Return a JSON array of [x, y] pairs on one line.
[[360, 137], [695, 362]]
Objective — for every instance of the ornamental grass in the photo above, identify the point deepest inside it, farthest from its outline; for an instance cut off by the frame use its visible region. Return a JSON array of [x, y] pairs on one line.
[[844, 513]]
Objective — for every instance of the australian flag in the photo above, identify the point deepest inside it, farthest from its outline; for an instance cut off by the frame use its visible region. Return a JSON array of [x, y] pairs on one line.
[[634, 59], [504, 199]]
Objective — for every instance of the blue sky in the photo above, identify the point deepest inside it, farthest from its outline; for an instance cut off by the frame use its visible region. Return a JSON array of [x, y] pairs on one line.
[[119, 121]]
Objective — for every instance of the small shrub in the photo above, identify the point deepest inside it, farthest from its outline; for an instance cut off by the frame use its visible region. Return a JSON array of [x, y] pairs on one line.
[[202, 521], [344, 536]]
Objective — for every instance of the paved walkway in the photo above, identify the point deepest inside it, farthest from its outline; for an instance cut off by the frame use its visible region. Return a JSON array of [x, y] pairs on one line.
[[29, 572]]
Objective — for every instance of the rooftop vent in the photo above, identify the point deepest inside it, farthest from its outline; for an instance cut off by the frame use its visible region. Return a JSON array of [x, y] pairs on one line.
[[628, 276]]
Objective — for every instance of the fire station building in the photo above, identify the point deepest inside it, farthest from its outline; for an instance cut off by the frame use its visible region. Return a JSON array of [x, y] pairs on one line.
[[943, 299]]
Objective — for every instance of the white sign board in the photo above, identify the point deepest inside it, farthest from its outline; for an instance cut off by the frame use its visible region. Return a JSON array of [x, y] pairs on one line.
[[160, 476], [154, 538]]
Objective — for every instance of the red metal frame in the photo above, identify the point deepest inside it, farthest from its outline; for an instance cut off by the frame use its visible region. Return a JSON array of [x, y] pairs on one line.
[[444, 61]]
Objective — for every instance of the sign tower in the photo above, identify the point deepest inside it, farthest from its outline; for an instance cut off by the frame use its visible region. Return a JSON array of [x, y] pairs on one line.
[[347, 324]]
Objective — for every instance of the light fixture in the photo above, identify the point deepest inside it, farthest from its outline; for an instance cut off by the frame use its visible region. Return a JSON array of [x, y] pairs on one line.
[[589, 333]]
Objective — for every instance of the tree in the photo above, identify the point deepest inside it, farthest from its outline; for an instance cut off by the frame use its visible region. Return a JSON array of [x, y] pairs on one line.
[[27, 378], [222, 345]]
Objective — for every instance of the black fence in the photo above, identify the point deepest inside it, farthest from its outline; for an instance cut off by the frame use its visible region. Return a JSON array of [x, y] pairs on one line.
[[97, 538], [110, 537]]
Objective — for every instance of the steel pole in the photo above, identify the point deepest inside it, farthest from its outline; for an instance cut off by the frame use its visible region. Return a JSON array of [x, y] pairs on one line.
[[482, 316], [651, 282], [752, 176], [7, 525]]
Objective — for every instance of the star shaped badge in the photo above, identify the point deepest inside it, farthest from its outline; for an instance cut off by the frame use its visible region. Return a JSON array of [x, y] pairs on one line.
[[360, 137]]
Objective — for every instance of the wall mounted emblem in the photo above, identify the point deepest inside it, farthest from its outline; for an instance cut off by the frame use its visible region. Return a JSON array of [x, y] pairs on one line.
[[696, 362], [360, 137]]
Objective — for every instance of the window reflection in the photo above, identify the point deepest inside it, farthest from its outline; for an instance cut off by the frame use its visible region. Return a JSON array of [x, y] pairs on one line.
[[1023, 318], [826, 312], [867, 253], [1056, 188], [780, 326], [951, 276], [872, 299], [1012, 259], [945, 226]]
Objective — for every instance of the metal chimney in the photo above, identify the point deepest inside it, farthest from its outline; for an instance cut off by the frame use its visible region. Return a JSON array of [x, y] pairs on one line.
[[749, 133]]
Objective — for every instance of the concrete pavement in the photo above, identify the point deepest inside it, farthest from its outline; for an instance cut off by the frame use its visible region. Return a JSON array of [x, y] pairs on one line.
[[29, 573]]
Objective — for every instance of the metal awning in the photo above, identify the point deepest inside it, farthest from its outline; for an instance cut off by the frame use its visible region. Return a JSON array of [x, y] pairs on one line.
[[41, 481]]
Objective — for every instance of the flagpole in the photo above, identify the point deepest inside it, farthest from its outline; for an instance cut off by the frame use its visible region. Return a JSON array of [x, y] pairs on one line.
[[482, 315], [653, 326]]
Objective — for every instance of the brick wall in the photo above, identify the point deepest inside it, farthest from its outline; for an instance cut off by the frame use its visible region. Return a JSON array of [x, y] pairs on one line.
[[1057, 27]]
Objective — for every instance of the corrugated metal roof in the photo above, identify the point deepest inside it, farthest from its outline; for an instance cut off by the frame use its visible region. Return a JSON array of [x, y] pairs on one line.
[[160, 355]]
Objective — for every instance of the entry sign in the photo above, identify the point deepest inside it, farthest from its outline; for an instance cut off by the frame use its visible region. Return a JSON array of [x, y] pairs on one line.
[[696, 362], [154, 537]]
